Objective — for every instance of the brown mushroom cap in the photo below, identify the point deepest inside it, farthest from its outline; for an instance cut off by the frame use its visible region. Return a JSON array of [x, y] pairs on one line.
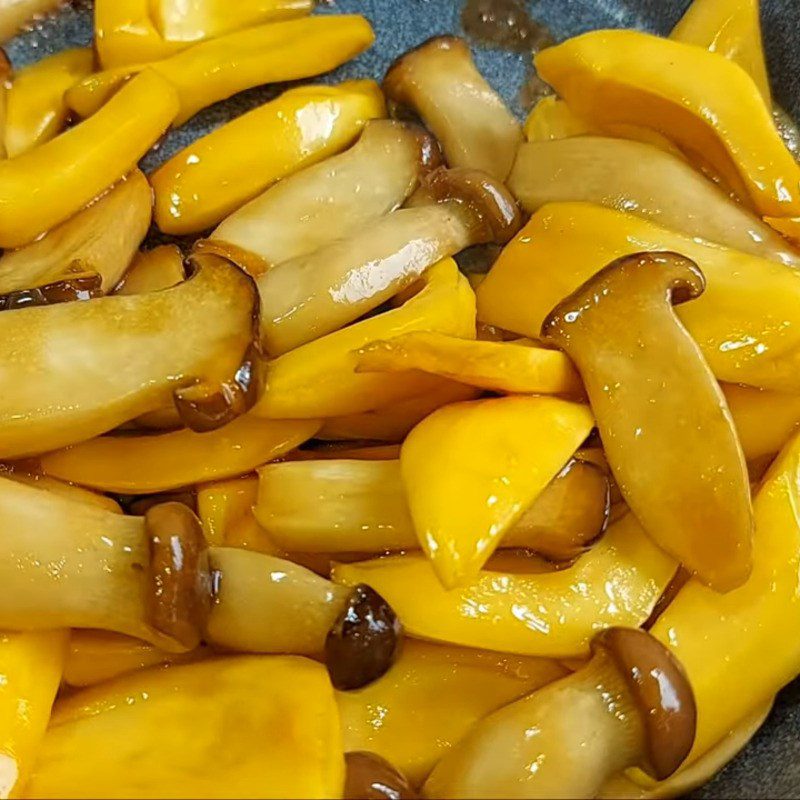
[[180, 595], [493, 210], [430, 151], [395, 83], [370, 777], [660, 692]]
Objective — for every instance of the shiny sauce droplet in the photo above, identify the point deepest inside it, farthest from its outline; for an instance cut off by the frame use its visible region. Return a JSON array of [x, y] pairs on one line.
[[504, 23]]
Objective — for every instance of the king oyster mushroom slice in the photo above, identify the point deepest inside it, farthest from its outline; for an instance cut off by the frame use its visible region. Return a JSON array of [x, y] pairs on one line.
[[440, 82], [76, 370], [307, 297], [665, 425], [644, 180], [630, 705], [328, 201]]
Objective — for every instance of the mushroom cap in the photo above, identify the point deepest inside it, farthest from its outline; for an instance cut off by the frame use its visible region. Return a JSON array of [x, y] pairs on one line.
[[371, 777], [660, 691]]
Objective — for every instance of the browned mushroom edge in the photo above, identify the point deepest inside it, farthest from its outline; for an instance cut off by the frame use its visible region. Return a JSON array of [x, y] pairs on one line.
[[76, 287], [369, 776]]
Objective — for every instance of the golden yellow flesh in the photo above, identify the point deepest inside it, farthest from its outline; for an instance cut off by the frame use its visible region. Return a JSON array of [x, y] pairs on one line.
[[101, 238], [72, 371], [731, 28], [737, 648], [215, 70], [319, 378], [158, 734], [147, 464], [265, 604], [324, 202], [746, 323], [30, 673], [68, 490], [153, 270], [98, 656], [643, 180], [50, 183], [764, 420], [223, 504], [514, 367], [553, 614], [221, 171], [308, 297], [36, 110], [649, 386], [440, 81], [709, 106], [441, 691], [471, 469]]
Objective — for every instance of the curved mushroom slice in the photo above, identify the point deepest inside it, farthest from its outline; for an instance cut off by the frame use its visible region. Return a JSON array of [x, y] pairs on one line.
[[440, 690], [83, 286], [369, 775], [345, 505], [64, 489], [440, 82], [746, 322], [644, 180], [193, 716], [102, 238], [72, 372], [319, 378], [694, 775], [205, 73], [650, 388], [392, 423], [552, 614], [308, 297], [98, 656], [74, 168], [327, 201], [16, 14], [471, 469], [139, 576], [177, 22], [148, 464], [36, 109], [153, 270], [631, 705], [764, 421], [264, 604], [218, 173], [731, 28], [551, 118], [516, 367], [32, 665]]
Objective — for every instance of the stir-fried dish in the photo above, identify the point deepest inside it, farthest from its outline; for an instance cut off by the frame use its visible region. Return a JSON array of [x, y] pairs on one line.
[[418, 452]]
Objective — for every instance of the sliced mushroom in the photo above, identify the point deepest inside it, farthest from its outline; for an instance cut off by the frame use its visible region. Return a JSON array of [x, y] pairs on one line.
[[308, 297], [72, 371], [327, 201], [440, 82], [644, 180], [264, 604], [370, 777], [273, 53], [153, 270], [650, 388], [16, 14], [102, 238], [83, 286], [79, 165], [36, 108], [520, 366], [70, 564], [145, 464], [631, 705], [218, 173], [552, 613], [31, 477], [345, 505]]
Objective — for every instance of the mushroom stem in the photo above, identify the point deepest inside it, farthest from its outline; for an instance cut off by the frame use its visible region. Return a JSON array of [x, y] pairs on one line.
[[313, 295], [368, 776], [649, 386], [440, 82], [328, 201], [73, 565], [630, 705]]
